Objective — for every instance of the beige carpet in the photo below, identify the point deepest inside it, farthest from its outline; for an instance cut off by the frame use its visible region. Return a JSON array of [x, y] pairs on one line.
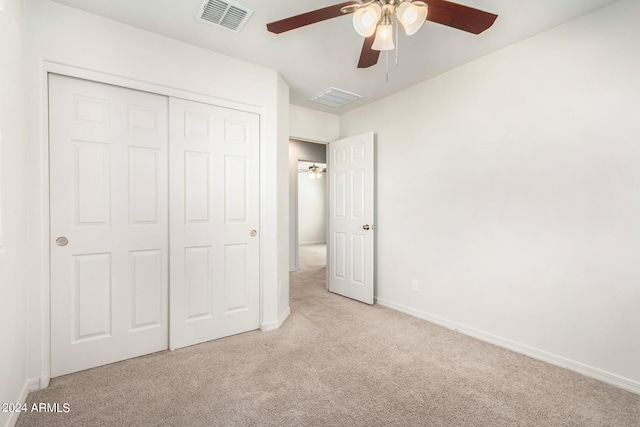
[[335, 362]]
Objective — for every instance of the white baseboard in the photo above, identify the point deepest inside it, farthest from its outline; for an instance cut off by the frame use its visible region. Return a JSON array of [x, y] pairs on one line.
[[323, 242], [30, 385], [33, 385], [270, 326], [44, 382], [589, 371]]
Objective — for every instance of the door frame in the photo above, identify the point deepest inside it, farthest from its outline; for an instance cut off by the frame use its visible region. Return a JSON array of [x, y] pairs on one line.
[[42, 216]]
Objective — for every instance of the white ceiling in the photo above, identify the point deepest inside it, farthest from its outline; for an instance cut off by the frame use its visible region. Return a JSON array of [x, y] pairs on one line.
[[325, 54]]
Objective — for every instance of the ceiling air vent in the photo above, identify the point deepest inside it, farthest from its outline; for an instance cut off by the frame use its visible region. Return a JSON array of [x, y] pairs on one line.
[[224, 14], [334, 97]]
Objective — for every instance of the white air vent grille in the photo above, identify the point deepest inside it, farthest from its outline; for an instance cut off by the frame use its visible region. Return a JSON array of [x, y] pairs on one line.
[[334, 97], [225, 14]]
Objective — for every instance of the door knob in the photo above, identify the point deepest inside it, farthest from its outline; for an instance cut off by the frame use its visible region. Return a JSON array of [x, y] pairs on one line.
[[366, 227], [62, 241], [253, 233]]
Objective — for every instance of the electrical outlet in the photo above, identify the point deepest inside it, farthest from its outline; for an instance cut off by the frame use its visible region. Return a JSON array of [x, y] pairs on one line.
[[414, 285]]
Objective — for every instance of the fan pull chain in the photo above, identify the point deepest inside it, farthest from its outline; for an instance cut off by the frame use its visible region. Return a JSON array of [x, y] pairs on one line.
[[386, 63], [397, 38]]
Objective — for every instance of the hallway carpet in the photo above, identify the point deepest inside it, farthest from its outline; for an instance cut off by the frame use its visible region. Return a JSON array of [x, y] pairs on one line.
[[335, 362]]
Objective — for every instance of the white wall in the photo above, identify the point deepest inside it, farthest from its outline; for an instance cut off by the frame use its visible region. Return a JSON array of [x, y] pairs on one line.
[[299, 150], [509, 188], [312, 207], [13, 211], [283, 202], [311, 125], [60, 37]]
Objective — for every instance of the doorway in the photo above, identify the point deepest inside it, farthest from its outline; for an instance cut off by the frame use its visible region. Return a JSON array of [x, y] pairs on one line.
[[302, 155], [312, 215]]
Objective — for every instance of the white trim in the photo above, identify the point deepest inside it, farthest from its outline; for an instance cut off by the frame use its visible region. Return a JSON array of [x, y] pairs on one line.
[[270, 326], [33, 385], [48, 67], [44, 381], [112, 79], [552, 359], [308, 137], [30, 385], [315, 242]]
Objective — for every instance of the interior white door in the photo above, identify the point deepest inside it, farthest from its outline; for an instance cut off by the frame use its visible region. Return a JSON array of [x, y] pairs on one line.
[[109, 223], [350, 252], [215, 244]]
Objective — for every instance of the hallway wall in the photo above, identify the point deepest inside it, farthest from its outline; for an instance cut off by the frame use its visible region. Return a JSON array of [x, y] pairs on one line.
[[312, 209]]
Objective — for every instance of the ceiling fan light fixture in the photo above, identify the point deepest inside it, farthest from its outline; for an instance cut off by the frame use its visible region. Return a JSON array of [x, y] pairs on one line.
[[384, 38], [412, 15], [315, 172], [366, 18]]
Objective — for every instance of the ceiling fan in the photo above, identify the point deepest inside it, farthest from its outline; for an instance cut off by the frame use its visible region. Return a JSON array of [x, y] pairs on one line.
[[373, 20], [314, 171]]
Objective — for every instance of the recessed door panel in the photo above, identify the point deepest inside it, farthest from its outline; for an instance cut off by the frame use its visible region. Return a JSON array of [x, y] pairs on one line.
[[198, 283], [197, 186], [90, 111], [236, 132], [235, 188], [340, 252], [144, 186], [235, 277], [92, 296], [93, 183], [339, 195], [357, 152], [197, 126], [143, 119], [146, 278], [358, 198], [357, 258]]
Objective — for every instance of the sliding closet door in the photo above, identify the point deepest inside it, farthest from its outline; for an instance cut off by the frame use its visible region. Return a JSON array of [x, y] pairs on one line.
[[215, 239], [109, 223]]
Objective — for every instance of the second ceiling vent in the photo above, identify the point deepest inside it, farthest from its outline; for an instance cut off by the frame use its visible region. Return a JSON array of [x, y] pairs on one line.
[[226, 14], [334, 97]]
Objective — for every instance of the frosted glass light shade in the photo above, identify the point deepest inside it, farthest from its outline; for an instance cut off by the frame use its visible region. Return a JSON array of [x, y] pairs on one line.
[[366, 19], [384, 38], [411, 16]]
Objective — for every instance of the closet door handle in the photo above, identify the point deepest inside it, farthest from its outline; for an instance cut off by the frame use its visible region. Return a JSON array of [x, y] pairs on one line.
[[253, 233], [62, 241]]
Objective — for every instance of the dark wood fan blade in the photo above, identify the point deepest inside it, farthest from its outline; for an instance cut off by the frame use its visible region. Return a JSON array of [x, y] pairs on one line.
[[308, 18], [368, 56], [455, 15]]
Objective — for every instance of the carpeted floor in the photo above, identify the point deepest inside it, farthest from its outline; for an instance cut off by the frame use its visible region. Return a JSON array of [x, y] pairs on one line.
[[335, 362]]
